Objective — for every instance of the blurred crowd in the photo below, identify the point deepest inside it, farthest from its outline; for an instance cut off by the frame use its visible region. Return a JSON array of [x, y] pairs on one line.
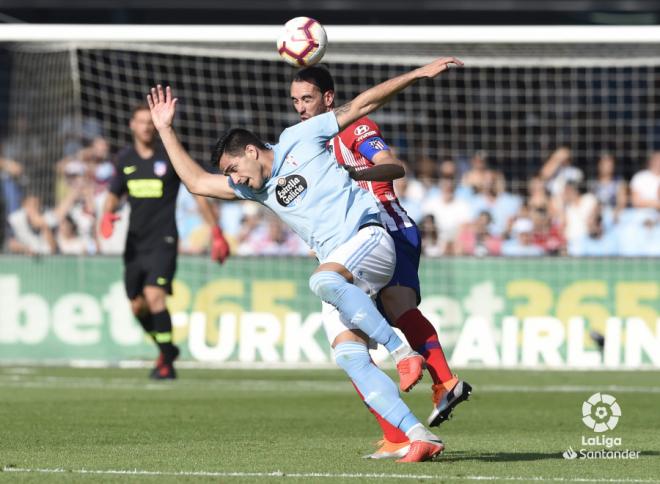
[[556, 212], [463, 207]]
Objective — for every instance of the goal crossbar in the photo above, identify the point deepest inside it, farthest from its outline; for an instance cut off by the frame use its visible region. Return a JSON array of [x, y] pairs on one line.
[[336, 34]]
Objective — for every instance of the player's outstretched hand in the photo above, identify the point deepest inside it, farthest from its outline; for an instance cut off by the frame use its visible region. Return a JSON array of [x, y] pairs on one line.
[[219, 245], [162, 106], [108, 224], [437, 66]]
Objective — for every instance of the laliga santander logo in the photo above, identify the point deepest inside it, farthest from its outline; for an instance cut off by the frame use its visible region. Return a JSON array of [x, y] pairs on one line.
[[601, 412]]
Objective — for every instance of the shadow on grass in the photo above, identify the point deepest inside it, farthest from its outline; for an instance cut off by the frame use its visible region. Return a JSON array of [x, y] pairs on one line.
[[517, 456]]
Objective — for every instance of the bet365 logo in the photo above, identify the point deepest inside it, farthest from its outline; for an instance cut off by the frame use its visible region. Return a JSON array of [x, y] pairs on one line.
[[601, 412]]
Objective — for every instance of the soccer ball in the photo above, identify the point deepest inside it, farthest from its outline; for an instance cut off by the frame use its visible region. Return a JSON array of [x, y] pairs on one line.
[[303, 42]]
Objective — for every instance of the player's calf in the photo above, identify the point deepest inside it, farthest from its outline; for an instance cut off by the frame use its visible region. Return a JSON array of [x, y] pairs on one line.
[[379, 390]]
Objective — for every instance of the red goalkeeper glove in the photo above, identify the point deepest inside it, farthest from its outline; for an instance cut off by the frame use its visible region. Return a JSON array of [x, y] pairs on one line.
[[219, 245], [108, 224]]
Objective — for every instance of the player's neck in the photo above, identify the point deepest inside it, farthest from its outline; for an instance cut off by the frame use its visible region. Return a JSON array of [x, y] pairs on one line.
[[267, 166], [144, 150]]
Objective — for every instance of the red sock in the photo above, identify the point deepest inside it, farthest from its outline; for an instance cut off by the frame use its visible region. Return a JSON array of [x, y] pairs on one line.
[[423, 338], [390, 432]]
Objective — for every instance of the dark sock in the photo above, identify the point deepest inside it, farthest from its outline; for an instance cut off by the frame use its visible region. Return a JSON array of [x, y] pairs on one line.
[[147, 323], [163, 334]]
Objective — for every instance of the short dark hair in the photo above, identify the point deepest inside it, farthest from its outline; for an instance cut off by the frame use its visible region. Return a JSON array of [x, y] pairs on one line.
[[139, 107], [233, 142], [317, 75]]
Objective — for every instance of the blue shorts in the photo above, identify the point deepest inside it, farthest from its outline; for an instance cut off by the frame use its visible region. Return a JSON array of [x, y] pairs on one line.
[[408, 246]]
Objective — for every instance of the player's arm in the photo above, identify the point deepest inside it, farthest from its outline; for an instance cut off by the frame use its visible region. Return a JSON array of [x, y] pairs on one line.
[[207, 210], [111, 203], [197, 180], [387, 167], [365, 140], [372, 99], [219, 245]]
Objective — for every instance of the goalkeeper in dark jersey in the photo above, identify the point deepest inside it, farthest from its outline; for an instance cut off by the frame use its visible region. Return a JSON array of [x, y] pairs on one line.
[[145, 174]]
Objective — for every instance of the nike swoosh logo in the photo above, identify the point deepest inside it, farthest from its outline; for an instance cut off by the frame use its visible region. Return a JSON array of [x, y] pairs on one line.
[[130, 169]]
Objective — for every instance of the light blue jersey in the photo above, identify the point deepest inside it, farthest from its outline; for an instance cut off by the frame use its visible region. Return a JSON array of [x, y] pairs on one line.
[[309, 191]]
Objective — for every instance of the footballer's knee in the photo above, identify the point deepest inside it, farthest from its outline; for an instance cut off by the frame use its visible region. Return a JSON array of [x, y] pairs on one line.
[[335, 267], [155, 298], [139, 306], [351, 335], [328, 285]]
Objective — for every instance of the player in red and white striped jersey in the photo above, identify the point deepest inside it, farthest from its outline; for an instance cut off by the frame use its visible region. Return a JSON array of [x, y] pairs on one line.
[[360, 148], [356, 147]]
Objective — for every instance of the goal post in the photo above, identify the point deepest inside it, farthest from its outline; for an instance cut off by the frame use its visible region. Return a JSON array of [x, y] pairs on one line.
[[373, 34]]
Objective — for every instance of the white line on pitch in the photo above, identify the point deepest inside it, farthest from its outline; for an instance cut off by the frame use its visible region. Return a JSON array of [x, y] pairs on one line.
[[566, 388], [118, 383], [137, 472]]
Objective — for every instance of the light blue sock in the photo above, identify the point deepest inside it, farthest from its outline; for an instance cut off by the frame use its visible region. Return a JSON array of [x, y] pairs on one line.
[[354, 306], [378, 390]]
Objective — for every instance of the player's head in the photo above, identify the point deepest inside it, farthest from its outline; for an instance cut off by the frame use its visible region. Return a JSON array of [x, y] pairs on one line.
[[312, 92], [142, 127], [238, 153]]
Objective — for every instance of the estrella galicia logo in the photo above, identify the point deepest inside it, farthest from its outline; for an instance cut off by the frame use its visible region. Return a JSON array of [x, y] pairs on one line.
[[290, 189]]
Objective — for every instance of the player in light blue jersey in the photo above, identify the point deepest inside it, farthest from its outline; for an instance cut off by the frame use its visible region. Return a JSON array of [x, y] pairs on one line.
[[299, 185], [298, 179]]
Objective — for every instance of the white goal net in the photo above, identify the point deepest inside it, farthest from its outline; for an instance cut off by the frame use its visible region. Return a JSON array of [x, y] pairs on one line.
[[517, 101], [523, 95]]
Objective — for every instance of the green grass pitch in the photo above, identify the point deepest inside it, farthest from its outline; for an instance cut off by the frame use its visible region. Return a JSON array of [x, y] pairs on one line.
[[114, 425]]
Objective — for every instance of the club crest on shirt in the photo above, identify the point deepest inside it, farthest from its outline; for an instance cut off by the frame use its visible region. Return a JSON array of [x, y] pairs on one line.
[[160, 168], [290, 190], [291, 160], [377, 144]]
